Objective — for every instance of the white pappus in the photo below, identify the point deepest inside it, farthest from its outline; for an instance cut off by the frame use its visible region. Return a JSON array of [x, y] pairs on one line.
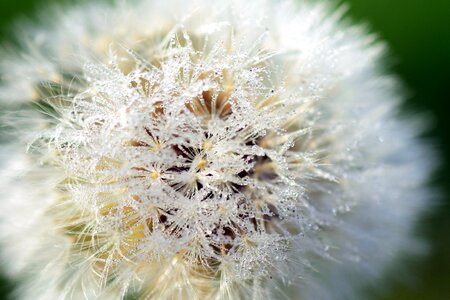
[[204, 150]]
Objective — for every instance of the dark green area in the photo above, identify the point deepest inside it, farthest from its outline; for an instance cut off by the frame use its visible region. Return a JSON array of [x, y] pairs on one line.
[[418, 32]]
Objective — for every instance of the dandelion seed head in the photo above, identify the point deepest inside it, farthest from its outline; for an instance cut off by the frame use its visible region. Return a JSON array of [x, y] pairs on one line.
[[205, 151]]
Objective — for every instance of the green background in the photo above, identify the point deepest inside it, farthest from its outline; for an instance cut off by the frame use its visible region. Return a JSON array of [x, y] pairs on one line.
[[418, 32]]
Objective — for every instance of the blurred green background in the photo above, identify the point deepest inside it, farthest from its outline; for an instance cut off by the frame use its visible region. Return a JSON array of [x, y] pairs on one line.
[[418, 32]]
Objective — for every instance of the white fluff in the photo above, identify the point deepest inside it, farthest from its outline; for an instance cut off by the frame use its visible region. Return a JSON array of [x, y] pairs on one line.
[[204, 150]]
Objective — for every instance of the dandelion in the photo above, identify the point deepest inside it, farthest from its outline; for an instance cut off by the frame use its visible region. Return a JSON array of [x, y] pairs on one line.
[[204, 150]]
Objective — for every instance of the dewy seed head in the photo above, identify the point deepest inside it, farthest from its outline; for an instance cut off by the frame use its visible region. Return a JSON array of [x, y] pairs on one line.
[[202, 119], [205, 150]]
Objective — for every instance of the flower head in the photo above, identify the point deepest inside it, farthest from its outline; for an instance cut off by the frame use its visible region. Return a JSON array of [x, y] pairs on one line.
[[205, 150]]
